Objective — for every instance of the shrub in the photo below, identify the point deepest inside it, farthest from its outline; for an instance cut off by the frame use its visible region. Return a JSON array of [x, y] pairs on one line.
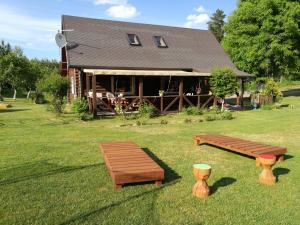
[[147, 111], [226, 115], [200, 120], [271, 87], [214, 110], [57, 87], [38, 97], [118, 109], [141, 122], [192, 110], [210, 117], [80, 108]]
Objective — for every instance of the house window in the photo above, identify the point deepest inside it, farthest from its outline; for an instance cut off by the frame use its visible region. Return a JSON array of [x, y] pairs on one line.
[[160, 42], [134, 39]]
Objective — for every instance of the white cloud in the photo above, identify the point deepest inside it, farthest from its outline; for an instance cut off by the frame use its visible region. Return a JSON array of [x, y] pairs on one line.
[[119, 8], [110, 2], [122, 11], [28, 31], [198, 20], [200, 9]]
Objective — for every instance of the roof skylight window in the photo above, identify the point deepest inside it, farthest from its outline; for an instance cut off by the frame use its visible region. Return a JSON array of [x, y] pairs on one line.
[[134, 39], [160, 42]]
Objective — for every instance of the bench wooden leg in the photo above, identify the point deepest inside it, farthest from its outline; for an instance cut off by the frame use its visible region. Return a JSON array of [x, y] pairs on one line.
[[257, 162], [117, 186], [280, 158], [196, 141], [158, 183]]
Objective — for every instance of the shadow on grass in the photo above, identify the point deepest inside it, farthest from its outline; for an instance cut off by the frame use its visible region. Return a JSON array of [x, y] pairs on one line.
[[291, 92], [280, 171], [223, 182], [286, 157], [170, 174], [85, 215], [12, 110], [35, 170]]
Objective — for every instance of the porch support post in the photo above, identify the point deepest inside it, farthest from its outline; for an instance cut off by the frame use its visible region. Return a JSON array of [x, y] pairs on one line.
[[141, 87], [242, 90], [198, 101], [180, 95], [94, 95], [88, 84]]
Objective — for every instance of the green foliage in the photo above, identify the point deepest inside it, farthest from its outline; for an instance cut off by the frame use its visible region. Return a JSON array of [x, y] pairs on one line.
[[216, 24], [193, 110], [214, 110], [80, 108], [226, 115], [118, 109], [57, 87], [262, 37], [272, 88], [223, 82], [38, 97], [147, 111]]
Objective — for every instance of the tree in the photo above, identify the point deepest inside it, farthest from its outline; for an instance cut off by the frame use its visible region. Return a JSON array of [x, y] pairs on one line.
[[216, 24], [262, 37], [15, 67], [223, 82], [57, 87], [5, 49]]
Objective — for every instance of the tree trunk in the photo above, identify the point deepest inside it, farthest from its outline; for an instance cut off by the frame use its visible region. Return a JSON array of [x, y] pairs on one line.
[[15, 94], [222, 108], [28, 94], [0, 93]]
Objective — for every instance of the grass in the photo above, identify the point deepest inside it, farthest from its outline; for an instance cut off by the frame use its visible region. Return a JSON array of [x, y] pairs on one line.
[[51, 171]]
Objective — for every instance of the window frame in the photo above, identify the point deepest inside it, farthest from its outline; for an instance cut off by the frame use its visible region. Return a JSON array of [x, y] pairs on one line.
[[162, 39], [135, 36]]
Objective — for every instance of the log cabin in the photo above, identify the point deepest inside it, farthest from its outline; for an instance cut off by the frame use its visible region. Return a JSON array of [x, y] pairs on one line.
[[121, 64]]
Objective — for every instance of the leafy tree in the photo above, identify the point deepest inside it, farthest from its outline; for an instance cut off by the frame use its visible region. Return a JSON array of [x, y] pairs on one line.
[[216, 24], [14, 67], [262, 37], [57, 87], [223, 82], [5, 49]]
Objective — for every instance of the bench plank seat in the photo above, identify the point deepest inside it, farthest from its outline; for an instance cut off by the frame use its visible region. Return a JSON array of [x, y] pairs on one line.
[[250, 148], [128, 163]]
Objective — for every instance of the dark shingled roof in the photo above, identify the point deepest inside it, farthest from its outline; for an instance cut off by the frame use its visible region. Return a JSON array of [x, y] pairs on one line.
[[96, 43]]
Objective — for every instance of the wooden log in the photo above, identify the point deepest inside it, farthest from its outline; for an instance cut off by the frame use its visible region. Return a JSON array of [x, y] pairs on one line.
[[141, 87], [94, 96], [180, 106]]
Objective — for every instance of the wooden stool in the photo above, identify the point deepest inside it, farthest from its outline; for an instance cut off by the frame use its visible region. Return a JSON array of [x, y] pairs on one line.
[[267, 161], [201, 172]]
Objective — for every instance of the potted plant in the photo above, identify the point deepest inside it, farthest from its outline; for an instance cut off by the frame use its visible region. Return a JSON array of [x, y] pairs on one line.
[[161, 93]]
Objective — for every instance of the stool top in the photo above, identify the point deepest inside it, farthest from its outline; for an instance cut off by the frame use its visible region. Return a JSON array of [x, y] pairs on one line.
[[267, 156], [202, 166]]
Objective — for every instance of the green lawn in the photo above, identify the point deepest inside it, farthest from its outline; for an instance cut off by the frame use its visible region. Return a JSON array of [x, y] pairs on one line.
[[51, 171]]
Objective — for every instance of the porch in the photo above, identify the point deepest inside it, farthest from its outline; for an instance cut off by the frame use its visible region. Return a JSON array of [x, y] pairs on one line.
[[109, 91]]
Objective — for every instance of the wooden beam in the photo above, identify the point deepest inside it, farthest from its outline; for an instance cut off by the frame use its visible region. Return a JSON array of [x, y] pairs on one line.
[[171, 103], [141, 87], [198, 101], [180, 106], [94, 96], [242, 90], [88, 84], [161, 103]]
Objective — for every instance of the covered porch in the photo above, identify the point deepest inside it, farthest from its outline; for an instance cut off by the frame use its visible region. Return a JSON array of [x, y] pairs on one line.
[[110, 91]]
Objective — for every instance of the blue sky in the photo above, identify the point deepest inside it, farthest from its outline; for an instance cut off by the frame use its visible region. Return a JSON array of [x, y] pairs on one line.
[[32, 24]]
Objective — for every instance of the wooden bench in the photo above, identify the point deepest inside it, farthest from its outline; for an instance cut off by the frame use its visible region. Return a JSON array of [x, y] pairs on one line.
[[127, 163], [245, 147]]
